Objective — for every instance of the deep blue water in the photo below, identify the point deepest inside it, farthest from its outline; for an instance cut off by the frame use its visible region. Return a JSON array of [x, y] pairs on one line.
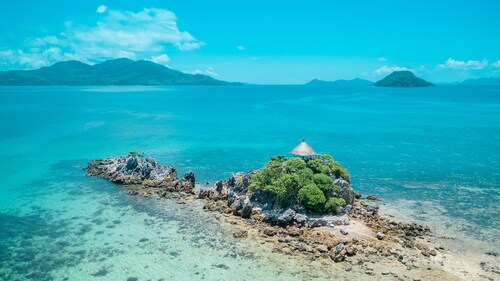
[[436, 148]]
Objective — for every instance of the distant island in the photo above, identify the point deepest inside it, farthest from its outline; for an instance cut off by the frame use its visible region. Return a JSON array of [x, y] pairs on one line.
[[482, 82], [112, 72], [357, 82], [403, 78]]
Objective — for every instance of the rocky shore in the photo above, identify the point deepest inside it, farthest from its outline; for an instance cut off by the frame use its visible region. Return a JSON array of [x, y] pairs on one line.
[[142, 175], [356, 239]]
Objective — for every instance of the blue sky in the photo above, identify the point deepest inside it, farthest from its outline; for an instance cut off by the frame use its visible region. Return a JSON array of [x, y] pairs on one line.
[[261, 41]]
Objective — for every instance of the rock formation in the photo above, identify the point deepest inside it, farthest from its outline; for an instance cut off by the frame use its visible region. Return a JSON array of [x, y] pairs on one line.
[[136, 170]]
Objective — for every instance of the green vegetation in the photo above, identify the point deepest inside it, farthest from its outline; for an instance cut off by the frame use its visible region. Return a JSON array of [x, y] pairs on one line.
[[239, 181], [308, 182], [312, 197], [136, 154]]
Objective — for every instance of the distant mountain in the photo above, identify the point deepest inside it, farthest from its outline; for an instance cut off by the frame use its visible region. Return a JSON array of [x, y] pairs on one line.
[[112, 72], [482, 81], [357, 82], [402, 79]]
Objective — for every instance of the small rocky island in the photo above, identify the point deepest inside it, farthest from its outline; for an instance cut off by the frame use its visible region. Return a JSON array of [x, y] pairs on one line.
[[404, 79], [142, 174], [300, 206]]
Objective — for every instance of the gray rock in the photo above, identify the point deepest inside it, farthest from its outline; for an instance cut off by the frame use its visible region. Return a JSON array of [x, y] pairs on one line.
[[373, 197], [346, 192], [301, 219], [246, 210], [137, 170], [287, 217], [189, 176], [347, 209], [380, 235], [339, 248], [317, 222], [344, 231]]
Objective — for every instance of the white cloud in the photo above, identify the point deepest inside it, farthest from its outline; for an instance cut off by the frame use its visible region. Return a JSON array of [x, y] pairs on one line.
[[161, 59], [210, 71], [496, 64], [134, 35], [464, 65], [240, 47], [382, 59], [389, 69], [101, 9], [36, 59]]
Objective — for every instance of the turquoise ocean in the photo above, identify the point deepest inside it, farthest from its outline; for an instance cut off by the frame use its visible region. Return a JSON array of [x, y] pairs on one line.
[[432, 154]]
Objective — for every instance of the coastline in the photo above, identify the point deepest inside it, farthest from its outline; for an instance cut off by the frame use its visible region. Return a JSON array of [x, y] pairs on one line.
[[357, 248], [449, 264]]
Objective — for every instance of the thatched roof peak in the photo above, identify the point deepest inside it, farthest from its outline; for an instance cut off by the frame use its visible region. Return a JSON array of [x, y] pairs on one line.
[[303, 150]]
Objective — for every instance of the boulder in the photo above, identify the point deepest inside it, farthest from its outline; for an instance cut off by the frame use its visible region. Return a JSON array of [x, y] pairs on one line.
[[373, 197], [300, 219], [380, 236], [346, 192], [317, 222], [287, 217]]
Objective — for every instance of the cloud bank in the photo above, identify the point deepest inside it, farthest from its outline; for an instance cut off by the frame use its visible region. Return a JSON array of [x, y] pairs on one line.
[[134, 35], [464, 65]]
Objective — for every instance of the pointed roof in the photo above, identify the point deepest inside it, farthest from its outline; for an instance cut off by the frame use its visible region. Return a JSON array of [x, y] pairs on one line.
[[303, 149]]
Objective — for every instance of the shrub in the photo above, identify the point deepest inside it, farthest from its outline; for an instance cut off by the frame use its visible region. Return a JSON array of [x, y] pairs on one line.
[[279, 191], [324, 157], [238, 182], [318, 167], [333, 204], [305, 181], [305, 176], [271, 171], [285, 187], [312, 197], [339, 171], [295, 164], [136, 154], [323, 181]]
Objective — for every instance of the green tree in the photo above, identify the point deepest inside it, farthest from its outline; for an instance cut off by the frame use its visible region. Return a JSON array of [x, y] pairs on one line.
[[323, 181], [295, 164], [339, 171], [333, 204], [312, 197]]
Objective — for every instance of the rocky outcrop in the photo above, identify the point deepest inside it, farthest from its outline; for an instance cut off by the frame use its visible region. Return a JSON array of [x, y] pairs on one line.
[[364, 235], [346, 192], [136, 170], [232, 196]]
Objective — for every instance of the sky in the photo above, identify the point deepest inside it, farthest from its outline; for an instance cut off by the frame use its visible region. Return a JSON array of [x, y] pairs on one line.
[[265, 42]]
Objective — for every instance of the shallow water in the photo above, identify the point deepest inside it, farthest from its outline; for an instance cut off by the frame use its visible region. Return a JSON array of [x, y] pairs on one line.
[[434, 151]]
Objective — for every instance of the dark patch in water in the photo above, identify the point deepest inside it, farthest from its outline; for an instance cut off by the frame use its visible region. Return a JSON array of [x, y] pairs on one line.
[[97, 221], [102, 272], [174, 254], [132, 279], [221, 266], [80, 253], [85, 228], [117, 221], [143, 240]]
